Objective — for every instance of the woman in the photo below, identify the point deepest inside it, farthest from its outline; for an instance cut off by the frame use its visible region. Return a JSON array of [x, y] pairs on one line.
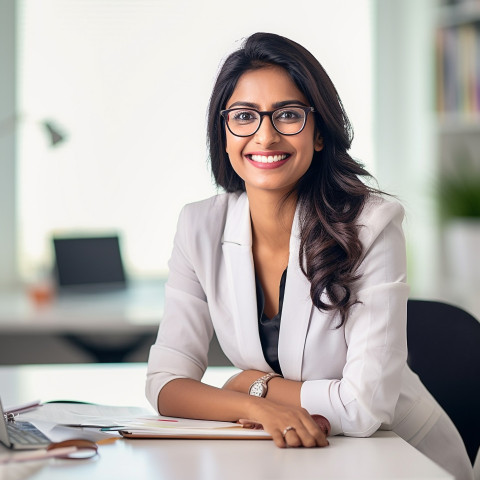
[[299, 268]]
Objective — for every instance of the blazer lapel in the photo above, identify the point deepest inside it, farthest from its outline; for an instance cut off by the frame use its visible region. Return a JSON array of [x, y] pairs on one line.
[[237, 250], [296, 312]]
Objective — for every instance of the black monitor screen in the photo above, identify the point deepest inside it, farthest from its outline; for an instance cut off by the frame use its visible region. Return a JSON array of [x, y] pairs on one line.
[[88, 261]]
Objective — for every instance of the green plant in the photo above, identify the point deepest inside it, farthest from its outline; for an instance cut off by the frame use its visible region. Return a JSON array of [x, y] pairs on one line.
[[459, 193]]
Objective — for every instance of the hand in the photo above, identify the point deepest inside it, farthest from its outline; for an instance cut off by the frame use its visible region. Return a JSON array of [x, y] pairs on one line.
[[308, 431], [320, 420], [289, 426]]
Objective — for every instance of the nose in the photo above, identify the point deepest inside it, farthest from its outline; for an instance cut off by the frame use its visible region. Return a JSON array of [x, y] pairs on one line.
[[266, 135]]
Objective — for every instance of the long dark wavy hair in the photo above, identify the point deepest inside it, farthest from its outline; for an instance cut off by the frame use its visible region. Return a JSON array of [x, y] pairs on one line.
[[331, 194]]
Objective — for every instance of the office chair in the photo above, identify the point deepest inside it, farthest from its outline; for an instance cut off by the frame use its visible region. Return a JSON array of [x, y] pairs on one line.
[[444, 351]]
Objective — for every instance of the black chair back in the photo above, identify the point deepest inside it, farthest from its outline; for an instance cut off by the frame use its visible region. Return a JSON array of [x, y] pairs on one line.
[[444, 351]]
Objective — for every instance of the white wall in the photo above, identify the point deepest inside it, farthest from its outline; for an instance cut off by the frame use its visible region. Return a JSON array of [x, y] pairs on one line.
[[129, 82], [403, 150]]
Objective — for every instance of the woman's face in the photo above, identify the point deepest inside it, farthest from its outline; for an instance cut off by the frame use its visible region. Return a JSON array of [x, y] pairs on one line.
[[266, 89]]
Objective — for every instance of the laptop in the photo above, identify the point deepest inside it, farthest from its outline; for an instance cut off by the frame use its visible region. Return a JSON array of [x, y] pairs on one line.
[[88, 264], [20, 435]]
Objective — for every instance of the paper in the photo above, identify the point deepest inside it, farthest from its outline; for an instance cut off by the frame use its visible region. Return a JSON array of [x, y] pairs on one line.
[[156, 422], [84, 414], [55, 421], [168, 427]]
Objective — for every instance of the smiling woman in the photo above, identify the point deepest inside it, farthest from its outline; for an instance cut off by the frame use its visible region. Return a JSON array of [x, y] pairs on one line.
[[299, 268]]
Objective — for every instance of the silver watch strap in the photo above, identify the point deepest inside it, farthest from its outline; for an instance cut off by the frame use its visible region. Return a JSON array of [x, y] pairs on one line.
[[267, 377]]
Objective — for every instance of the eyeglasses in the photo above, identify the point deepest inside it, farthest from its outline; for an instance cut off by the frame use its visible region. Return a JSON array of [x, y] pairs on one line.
[[244, 122]]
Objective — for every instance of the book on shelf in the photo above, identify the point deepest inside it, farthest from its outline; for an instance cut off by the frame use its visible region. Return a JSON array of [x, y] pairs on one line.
[[458, 70]]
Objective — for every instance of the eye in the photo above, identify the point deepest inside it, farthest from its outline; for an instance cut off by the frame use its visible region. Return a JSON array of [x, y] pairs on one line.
[[243, 116], [289, 115]]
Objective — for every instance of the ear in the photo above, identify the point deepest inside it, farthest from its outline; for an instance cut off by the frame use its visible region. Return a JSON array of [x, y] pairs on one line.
[[318, 143]]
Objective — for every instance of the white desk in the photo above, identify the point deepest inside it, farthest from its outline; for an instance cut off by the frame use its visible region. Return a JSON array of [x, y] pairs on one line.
[[78, 327], [137, 309], [103, 326], [382, 456]]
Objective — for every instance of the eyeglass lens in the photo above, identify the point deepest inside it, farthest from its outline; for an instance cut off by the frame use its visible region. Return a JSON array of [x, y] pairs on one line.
[[245, 122]]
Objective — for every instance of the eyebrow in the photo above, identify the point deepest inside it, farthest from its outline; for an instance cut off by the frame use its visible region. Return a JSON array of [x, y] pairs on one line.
[[275, 105]]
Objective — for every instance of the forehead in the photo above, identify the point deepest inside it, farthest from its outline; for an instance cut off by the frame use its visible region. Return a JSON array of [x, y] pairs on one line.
[[265, 87]]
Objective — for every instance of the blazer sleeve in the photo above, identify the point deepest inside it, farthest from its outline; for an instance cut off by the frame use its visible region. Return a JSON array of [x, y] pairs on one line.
[[375, 333], [185, 331]]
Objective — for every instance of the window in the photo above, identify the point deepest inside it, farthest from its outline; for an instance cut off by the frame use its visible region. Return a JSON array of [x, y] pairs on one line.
[[116, 77]]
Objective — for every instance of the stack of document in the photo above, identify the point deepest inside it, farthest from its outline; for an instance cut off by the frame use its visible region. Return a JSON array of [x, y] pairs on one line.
[[168, 427], [96, 422]]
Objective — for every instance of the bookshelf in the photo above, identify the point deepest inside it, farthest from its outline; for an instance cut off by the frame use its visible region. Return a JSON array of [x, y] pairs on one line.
[[457, 74], [458, 67]]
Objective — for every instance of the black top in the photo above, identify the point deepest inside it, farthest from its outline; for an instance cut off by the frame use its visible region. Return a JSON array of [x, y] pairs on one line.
[[269, 328]]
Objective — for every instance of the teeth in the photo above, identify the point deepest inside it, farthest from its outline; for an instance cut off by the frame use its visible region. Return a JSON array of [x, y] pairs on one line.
[[269, 158]]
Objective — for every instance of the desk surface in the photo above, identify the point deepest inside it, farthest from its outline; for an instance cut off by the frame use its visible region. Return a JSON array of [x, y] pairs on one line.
[[382, 456], [137, 309], [76, 326]]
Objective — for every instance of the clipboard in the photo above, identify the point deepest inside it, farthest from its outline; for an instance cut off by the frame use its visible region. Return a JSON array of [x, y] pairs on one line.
[[226, 433]]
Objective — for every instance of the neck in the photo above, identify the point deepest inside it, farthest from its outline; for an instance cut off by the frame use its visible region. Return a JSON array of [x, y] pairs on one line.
[[272, 218]]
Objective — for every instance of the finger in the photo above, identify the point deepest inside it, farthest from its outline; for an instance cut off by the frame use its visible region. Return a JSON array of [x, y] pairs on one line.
[[302, 438], [316, 436], [317, 431], [292, 439], [245, 423], [279, 439], [309, 433], [321, 439], [250, 424]]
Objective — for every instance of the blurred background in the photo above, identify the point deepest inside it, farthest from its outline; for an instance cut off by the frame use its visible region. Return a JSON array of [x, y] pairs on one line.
[[102, 129]]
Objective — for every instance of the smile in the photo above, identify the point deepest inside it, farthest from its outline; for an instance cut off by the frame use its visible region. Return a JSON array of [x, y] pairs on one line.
[[268, 158]]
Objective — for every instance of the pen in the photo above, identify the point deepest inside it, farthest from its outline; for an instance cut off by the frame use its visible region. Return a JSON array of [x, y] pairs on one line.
[[24, 407]]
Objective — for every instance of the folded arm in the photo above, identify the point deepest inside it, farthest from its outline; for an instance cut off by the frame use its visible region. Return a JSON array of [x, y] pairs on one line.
[[188, 398]]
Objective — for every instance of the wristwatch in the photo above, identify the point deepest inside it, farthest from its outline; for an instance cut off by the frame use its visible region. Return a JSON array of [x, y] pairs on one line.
[[259, 387]]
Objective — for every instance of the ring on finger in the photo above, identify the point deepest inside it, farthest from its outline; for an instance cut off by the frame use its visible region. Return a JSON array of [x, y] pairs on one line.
[[287, 430]]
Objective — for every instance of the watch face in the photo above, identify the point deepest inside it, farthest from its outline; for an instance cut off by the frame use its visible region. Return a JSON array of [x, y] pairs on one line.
[[257, 389]]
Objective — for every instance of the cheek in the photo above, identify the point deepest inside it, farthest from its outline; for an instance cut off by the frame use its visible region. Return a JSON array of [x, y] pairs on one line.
[[234, 145], [306, 147]]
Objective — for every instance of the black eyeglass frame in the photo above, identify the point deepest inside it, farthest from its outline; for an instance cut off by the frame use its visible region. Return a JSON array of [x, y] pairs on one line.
[[224, 114]]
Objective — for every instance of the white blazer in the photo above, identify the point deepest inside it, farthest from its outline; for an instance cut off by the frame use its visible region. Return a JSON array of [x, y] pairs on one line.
[[355, 375]]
